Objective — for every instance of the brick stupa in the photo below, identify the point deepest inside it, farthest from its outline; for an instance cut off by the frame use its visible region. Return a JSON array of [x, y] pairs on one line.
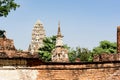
[[59, 54]]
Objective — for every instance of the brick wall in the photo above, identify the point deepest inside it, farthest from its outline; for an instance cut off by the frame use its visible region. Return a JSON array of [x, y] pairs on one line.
[[106, 57], [80, 71], [118, 39], [63, 71]]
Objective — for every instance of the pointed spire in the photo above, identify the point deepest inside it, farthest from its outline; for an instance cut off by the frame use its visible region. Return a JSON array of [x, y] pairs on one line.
[[38, 22], [59, 31]]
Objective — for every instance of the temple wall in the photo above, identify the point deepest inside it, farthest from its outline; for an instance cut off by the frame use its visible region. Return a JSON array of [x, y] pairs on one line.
[[11, 73], [63, 71], [103, 67], [84, 71], [88, 74], [118, 39]]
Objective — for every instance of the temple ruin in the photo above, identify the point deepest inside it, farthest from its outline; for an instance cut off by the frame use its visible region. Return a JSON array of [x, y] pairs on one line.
[[118, 39], [38, 34], [59, 54], [22, 65]]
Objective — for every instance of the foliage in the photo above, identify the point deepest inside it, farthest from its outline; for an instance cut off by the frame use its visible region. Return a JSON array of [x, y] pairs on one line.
[[80, 53], [84, 54], [2, 35], [49, 45], [72, 55], [6, 6], [105, 47]]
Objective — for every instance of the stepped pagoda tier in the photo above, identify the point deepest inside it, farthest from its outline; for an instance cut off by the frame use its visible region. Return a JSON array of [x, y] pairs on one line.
[[59, 54], [38, 34]]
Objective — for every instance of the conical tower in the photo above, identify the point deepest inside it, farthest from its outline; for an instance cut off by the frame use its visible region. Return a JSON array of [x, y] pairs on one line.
[[38, 34], [59, 41], [59, 54]]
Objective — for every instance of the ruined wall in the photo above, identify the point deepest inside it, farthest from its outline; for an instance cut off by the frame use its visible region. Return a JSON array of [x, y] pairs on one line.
[[21, 66], [83, 71], [118, 39], [106, 57], [63, 71], [88, 74], [11, 73], [20, 61]]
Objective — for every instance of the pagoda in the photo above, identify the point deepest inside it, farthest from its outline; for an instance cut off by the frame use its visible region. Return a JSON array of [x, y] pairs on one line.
[[59, 54], [38, 34]]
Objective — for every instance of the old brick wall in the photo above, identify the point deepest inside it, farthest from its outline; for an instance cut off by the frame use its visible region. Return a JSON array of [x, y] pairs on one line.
[[63, 71], [118, 39], [88, 74], [106, 57], [84, 71]]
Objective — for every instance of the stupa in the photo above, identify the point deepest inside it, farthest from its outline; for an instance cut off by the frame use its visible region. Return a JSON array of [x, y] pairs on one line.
[[59, 54]]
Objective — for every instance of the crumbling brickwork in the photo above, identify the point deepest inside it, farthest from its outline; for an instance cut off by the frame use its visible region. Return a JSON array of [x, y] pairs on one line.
[[106, 57], [30, 67], [118, 39], [88, 71], [63, 71]]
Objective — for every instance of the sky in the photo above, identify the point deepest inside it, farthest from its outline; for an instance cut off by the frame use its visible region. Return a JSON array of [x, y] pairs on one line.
[[84, 23]]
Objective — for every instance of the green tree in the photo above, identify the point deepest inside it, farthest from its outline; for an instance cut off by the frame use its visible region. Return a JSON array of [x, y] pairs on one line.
[[49, 45], [84, 54], [6, 6], [2, 35], [105, 47], [80, 53], [72, 55]]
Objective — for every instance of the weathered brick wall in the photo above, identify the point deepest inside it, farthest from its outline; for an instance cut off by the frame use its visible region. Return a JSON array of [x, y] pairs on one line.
[[63, 71], [20, 61], [118, 39], [85, 71], [88, 74], [34, 69], [106, 57]]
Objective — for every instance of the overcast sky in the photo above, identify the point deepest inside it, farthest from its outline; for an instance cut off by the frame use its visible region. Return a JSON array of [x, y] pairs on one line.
[[84, 23]]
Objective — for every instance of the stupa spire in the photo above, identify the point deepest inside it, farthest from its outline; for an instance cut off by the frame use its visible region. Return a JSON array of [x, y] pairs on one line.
[[38, 22], [59, 31], [59, 54], [59, 41]]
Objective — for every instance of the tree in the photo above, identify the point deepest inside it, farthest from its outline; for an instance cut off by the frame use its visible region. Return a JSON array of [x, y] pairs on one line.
[[84, 54], [2, 35], [72, 55], [6, 6], [105, 47], [49, 45]]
